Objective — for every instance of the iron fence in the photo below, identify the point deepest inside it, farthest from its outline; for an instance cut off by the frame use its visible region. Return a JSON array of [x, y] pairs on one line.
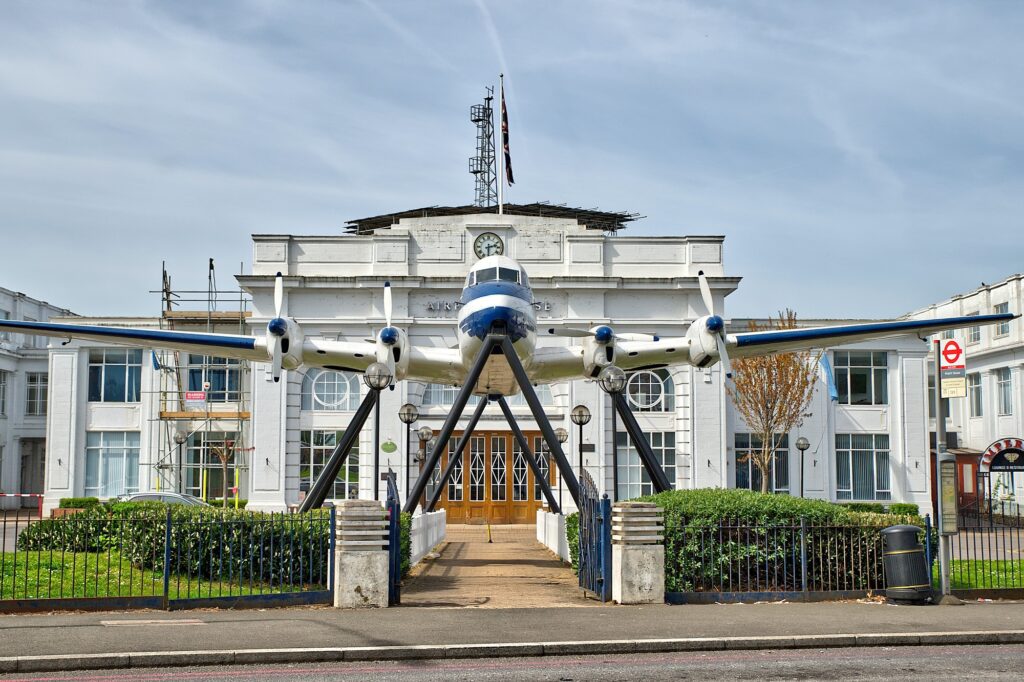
[[988, 551], [802, 560], [165, 558]]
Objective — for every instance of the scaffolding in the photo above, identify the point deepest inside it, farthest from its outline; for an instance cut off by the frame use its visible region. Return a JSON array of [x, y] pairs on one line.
[[202, 403]]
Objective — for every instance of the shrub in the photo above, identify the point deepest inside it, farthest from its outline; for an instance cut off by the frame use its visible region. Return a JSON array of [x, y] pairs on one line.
[[405, 541], [904, 508], [219, 503], [873, 507], [572, 538], [79, 502]]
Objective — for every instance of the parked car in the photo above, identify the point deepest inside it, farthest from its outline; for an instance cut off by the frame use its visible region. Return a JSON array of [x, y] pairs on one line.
[[166, 498]]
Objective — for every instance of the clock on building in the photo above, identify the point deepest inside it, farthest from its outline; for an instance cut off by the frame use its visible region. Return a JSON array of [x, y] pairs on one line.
[[488, 244]]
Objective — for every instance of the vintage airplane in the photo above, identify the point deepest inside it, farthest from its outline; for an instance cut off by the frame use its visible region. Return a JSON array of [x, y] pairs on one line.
[[497, 298]]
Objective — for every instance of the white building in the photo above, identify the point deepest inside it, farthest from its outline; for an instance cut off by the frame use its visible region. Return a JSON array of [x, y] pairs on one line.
[[870, 444], [23, 394]]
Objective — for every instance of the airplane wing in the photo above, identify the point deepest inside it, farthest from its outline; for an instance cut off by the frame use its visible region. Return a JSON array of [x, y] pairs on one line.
[[749, 344], [221, 345]]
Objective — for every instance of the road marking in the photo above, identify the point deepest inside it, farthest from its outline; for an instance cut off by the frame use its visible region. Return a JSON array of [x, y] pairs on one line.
[[128, 623]]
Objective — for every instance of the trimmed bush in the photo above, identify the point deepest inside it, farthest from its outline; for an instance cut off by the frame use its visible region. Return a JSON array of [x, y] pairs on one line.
[[572, 538], [405, 541], [904, 508], [79, 502], [872, 507], [219, 503]]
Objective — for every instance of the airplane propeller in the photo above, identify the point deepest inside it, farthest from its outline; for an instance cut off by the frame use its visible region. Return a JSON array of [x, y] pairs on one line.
[[389, 335], [715, 324], [277, 328]]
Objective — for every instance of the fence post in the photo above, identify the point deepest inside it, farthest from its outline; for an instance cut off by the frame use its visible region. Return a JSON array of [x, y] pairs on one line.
[[803, 555], [638, 553], [331, 558], [167, 557], [928, 547]]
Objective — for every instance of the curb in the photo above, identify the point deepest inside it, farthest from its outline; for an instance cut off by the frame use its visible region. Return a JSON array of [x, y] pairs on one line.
[[150, 659]]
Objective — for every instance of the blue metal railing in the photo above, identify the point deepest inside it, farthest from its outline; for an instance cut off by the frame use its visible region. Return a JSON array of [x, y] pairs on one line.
[[394, 542], [595, 539], [160, 557]]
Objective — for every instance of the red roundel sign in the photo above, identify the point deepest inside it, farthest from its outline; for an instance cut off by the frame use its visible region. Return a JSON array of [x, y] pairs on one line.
[[952, 354]]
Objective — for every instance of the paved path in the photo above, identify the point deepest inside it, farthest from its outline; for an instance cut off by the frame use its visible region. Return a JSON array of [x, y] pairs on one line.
[[513, 570]]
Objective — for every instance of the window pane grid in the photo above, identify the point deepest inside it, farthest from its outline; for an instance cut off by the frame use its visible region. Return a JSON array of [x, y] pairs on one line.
[[862, 467], [861, 377], [315, 449]]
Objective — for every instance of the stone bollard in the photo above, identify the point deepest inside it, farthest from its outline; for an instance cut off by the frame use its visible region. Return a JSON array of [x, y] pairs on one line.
[[361, 555], [638, 553]]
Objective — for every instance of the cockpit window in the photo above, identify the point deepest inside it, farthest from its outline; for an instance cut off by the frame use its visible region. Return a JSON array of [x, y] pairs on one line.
[[469, 279], [508, 275], [524, 280], [487, 275]]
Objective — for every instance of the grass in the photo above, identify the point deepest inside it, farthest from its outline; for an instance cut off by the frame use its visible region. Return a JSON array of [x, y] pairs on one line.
[[968, 574], [46, 575]]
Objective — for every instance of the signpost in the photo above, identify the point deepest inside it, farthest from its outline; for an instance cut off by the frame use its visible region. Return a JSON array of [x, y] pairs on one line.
[[950, 382]]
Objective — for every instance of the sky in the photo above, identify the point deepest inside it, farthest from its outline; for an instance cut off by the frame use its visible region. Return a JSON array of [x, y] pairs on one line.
[[862, 159]]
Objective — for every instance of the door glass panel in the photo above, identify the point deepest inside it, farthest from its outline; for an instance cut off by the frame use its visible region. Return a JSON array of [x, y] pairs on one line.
[[455, 482], [498, 477], [540, 451], [477, 485], [520, 480]]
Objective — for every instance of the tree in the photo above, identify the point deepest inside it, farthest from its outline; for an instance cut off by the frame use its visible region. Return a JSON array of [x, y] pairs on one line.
[[771, 393], [224, 454]]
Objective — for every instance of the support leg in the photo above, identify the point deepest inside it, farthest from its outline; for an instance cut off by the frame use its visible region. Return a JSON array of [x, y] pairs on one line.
[[449, 423], [524, 445], [541, 418], [456, 456], [658, 478], [325, 481]]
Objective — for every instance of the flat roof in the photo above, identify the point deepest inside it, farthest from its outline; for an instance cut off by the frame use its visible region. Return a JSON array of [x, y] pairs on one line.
[[592, 218]]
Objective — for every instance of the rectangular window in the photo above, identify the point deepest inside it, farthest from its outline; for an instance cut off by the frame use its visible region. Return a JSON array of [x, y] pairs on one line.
[[315, 448], [223, 374], [931, 396], [1003, 328], [973, 333], [862, 466], [1004, 391], [115, 375], [748, 475], [948, 334], [862, 377], [4, 335], [633, 478], [543, 455], [455, 481], [35, 394], [499, 477], [3, 392], [111, 463], [974, 395]]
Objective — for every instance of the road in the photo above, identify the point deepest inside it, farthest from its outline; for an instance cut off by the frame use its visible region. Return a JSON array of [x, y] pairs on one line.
[[905, 663]]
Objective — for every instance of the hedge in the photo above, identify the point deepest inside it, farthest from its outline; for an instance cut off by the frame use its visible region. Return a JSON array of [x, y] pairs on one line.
[[219, 503], [873, 507], [79, 502], [904, 508]]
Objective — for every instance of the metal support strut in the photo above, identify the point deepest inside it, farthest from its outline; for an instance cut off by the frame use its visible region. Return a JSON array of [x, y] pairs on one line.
[[643, 447], [449, 424], [524, 445], [456, 457], [325, 481]]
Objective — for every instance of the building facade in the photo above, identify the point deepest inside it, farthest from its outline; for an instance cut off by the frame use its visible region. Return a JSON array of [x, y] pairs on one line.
[[23, 399], [270, 440]]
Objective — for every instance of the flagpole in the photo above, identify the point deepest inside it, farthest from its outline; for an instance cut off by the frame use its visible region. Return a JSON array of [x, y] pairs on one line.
[[501, 152]]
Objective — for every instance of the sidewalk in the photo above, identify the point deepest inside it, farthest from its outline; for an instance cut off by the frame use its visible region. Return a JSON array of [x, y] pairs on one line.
[[110, 640]]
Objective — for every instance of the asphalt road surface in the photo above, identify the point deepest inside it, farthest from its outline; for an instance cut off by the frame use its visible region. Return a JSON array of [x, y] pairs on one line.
[[1004, 662]]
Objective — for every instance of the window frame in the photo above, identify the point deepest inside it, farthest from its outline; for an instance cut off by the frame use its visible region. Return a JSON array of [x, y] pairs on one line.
[[36, 393], [633, 479], [210, 366], [315, 448], [199, 457], [1003, 328], [973, 334], [3, 391], [102, 445], [1004, 391], [665, 402], [842, 369], [751, 442], [311, 401], [975, 396], [132, 382], [877, 452]]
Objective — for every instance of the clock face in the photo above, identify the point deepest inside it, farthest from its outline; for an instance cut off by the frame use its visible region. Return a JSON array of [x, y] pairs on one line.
[[488, 244]]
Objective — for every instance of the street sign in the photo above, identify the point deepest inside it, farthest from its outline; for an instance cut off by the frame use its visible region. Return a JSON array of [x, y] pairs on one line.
[[952, 369]]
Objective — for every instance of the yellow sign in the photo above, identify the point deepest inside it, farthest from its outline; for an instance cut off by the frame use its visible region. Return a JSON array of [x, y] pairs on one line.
[[947, 489]]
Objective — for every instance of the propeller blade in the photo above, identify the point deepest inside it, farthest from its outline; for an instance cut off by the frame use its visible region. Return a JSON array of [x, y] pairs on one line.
[[705, 293], [278, 294], [570, 332], [387, 303], [275, 358], [723, 355]]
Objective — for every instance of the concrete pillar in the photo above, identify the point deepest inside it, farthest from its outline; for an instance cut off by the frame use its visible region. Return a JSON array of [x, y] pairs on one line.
[[638, 553], [361, 555]]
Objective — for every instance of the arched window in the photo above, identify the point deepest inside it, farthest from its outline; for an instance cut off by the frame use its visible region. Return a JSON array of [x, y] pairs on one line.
[[651, 390], [444, 396], [325, 390]]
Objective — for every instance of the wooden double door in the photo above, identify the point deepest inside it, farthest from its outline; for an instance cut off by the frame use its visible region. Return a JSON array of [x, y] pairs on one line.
[[494, 482]]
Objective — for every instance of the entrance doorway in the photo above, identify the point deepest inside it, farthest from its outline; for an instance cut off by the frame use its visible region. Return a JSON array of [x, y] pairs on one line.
[[33, 456], [494, 483]]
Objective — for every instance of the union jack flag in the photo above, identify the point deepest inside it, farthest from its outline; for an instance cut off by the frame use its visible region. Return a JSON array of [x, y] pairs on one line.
[[504, 138]]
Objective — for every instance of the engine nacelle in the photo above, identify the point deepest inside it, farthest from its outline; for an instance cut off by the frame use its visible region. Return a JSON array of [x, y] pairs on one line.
[[703, 346], [393, 350], [598, 350], [291, 345]]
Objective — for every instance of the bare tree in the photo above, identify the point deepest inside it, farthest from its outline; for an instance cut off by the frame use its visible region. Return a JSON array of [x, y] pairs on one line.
[[224, 454], [771, 393]]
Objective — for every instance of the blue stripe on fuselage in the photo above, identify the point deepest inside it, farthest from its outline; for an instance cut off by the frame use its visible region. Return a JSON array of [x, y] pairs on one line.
[[480, 323], [496, 287]]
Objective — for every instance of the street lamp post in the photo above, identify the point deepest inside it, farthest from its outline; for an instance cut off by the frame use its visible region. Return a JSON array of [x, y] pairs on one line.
[[802, 444], [562, 435], [580, 416], [424, 433], [180, 437], [408, 414], [377, 377], [612, 381]]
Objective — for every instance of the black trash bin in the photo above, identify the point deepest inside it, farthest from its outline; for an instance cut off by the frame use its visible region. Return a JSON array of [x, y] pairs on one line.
[[906, 570]]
